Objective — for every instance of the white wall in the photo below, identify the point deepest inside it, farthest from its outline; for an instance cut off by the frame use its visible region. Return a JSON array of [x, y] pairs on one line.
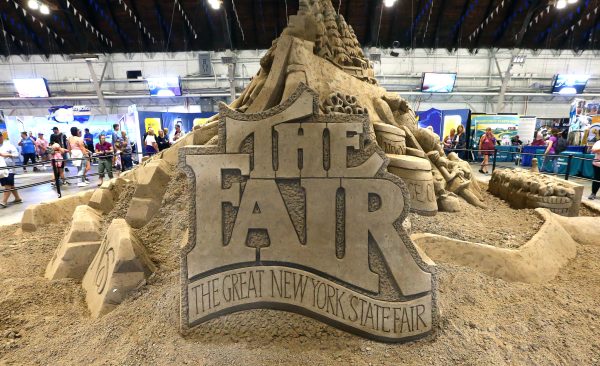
[[476, 73]]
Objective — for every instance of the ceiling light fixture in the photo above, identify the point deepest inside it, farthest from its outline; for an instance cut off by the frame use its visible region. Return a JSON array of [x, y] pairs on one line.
[[34, 5], [215, 4], [571, 1], [389, 3], [561, 4], [44, 9]]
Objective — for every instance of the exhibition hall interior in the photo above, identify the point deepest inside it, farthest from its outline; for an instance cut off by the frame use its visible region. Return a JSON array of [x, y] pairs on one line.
[[299, 182]]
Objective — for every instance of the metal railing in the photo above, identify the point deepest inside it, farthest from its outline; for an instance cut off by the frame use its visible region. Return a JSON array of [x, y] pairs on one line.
[[494, 160], [54, 163], [56, 181]]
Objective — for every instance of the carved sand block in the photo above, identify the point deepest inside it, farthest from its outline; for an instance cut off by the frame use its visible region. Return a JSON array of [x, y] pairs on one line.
[[53, 211], [524, 189], [78, 248], [120, 266], [390, 138], [102, 200], [306, 220], [152, 181], [416, 173], [539, 260]]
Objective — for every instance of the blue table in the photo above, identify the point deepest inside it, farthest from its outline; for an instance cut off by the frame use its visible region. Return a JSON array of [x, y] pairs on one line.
[[526, 161], [503, 153], [576, 164], [579, 149], [587, 169]]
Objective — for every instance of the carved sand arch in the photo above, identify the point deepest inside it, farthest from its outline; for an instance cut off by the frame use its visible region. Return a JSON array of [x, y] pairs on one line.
[[539, 260]]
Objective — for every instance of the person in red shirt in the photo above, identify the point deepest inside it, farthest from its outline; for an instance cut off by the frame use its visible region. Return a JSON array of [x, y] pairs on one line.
[[104, 152]]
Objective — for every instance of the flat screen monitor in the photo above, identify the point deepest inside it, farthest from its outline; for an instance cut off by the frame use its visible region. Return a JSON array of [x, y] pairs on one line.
[[434, 82], [32, 88], [164, 87], [569, 84]]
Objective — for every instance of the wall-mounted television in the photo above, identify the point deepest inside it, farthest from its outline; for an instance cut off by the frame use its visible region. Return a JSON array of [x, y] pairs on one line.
[[32, 88], [569, 84], [434, 82], [164, 87]]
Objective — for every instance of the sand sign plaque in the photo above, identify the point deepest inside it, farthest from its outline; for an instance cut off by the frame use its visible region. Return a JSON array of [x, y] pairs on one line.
[[294, 211]]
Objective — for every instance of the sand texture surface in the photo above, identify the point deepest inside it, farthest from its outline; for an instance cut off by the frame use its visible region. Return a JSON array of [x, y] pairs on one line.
[[484, 321]]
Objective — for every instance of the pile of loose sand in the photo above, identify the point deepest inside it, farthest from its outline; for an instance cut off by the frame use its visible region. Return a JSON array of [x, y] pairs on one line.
[[484, 321]]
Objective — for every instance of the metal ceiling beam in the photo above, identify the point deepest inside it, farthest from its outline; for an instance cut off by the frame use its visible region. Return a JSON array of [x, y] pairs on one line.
[[415, 27], [7, 35], [456, 36], [93, 20], [535, 7], [488, 12], [111, 13], [134, 10], [373, 20], [162, 25], [76, 29], [510, 10], [25, 22], [438, 26], [591, 38]]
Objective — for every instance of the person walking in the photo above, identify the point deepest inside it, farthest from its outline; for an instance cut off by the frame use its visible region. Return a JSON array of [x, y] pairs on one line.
[[460, 142], [150, 145], [58, 162], [449, 141], [115, 140], [551, 150], [487, 145], [78, 152], [178, 133], [126, 151], [7, 176], [41, 147], [162, 141], [59, 138], [596, 164], [27, 144], [104, 151], [88, 139]]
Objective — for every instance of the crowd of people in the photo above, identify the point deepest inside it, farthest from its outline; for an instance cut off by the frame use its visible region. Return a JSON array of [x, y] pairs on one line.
[[78, 149]]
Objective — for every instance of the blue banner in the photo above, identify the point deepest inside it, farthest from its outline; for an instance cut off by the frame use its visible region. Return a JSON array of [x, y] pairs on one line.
[[431, 118]]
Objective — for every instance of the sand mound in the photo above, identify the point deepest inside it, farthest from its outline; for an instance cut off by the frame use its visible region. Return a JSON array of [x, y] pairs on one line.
[[484, 320]]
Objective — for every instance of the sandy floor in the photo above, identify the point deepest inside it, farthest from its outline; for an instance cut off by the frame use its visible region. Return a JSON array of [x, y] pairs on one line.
[[484, 321]]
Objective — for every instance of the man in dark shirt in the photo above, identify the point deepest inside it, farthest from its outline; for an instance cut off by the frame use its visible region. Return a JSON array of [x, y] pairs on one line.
[[58, 137], [104, 151]]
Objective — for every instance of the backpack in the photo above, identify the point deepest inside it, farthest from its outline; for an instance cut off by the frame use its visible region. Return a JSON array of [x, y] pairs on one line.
[[561, 145]]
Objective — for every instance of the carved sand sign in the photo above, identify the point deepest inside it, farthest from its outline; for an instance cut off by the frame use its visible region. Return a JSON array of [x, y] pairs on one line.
[[295, 211]]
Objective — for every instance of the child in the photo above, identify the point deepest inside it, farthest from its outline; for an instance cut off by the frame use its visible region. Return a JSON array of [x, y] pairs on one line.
[[59, 163]]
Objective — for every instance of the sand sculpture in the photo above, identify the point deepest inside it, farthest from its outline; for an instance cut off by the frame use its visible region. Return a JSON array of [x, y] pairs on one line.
[[304, 218], [525, 189], [318, 48], [337, 132], [120, 265]]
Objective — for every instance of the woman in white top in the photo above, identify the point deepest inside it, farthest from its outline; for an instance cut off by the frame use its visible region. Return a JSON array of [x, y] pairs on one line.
[[7, 176], [77, 150], [150, 142]]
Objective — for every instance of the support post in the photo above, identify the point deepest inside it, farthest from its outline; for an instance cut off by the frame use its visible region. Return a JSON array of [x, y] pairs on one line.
[[231, 73], [494, 159], [97, 86], [56, 178], [569, 159]]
